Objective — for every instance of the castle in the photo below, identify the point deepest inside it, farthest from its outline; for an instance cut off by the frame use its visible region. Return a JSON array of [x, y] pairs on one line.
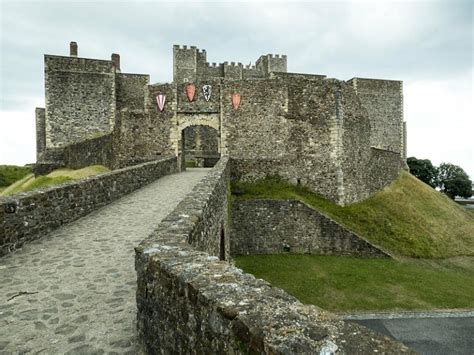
[[342, 139]]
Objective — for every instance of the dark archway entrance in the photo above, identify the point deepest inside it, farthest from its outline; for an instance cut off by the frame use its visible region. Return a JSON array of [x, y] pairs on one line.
[[201, 146]]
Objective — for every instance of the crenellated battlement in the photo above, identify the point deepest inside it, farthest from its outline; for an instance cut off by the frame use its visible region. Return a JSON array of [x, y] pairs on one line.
[[190, 64], [185, 47], [233, 64], [276, 56]]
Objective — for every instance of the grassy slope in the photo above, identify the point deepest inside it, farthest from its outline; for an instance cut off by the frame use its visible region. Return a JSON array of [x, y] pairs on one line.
[[406, 218], [350, 284], [56, 177], [11, 173]]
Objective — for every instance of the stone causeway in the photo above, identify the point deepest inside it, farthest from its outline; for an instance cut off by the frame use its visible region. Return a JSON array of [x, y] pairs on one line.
[[73, 290]]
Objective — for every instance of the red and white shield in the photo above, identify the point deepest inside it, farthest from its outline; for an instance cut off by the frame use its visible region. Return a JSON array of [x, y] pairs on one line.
[[236, 100], [160, 100], [190, 91]]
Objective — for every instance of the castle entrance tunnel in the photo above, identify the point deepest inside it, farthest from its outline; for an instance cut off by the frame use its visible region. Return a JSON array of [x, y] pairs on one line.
[[201, 146]]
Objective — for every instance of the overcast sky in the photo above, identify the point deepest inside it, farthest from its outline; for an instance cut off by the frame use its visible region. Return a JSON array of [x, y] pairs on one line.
[[427, 44]]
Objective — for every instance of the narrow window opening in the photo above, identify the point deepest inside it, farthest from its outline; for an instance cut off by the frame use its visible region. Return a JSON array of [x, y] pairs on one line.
[[222, 245]]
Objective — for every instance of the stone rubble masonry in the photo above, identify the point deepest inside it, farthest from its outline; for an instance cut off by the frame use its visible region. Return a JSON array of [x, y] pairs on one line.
[[191, 301], [74, 87], [131, 90], [383, 100], [28, 216], [290, 226], [384, 168], [95, 151], [323, 133], [40, 132]]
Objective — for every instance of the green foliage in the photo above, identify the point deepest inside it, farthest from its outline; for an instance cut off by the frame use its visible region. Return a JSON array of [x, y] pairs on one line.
[[406, 218], [424, 170], [190, 164], [450, 178], [11, 173], [454, 181], [361, 284]]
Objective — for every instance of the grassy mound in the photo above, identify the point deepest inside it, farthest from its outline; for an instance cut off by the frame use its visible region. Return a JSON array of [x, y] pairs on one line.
[[406, 218], [360, 284], [56, 177], [11, 173]]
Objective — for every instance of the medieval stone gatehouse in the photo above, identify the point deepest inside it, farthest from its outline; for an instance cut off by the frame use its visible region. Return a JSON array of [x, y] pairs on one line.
[[342, 139]]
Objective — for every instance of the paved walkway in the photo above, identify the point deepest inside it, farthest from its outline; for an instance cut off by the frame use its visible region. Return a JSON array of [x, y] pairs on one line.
[[428, 335], [73, 290]]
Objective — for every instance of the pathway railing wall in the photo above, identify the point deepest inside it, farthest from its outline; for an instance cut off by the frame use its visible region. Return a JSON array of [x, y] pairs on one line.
[[190, 300], [28, 216]]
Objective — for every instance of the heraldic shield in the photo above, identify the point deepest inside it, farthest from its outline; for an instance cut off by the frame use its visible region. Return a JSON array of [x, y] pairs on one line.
[[160, 100], [236, 100], [190, 91], [207, 90]]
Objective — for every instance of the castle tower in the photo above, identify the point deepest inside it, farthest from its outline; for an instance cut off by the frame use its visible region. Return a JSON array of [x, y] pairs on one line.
[[270, 63], [186, 62]]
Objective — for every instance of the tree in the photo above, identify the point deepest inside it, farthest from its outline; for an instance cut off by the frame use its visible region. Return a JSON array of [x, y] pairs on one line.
[[423, 170], [453, 181]]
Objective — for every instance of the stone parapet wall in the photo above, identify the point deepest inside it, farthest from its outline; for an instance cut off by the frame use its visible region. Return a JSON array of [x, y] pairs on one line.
[[28, 216], [190, 301], [290, 226], [95, 151]]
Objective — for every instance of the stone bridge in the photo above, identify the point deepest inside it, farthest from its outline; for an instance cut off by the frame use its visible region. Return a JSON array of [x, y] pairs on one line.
[[147, 264], [73, 290]]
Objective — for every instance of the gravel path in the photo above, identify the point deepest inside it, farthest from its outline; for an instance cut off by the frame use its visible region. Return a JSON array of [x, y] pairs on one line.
[[73, 291]]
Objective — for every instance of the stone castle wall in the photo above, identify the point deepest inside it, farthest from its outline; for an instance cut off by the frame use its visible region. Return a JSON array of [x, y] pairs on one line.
[[191, 301], [80, 99], [354, 152], [28, 216], [131, 91], [40, 120], [308, 129], [384, 168], [95, 151], [383, 100], [289, 226]]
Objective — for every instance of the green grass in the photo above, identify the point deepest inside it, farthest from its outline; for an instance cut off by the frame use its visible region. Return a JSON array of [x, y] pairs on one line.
[[357, 284], [190, 164], [407, 218], [56, 177], [11, 173]]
